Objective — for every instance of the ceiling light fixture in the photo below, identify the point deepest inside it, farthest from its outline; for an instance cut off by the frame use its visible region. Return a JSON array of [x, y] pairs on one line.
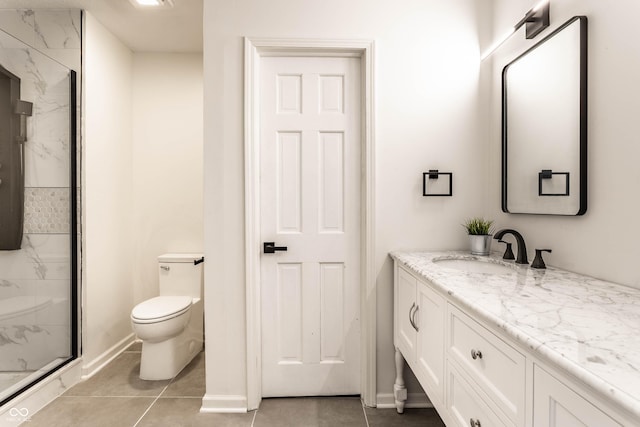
[[160, 4], [536, 20]]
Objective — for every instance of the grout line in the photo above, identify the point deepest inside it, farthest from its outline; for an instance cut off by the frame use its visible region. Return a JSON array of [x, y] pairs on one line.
[[152, 403], [255, 414], [107, 396], [155, 400], [181, 397], [365, 413]]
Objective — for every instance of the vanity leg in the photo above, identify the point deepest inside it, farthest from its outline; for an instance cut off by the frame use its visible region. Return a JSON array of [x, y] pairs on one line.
[[399, 390]]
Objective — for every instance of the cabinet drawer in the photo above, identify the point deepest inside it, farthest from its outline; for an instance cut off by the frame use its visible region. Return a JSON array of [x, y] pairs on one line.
[[465, 405], [495, 366]]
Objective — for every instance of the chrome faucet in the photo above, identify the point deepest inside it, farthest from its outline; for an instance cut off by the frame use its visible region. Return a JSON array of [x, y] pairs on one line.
[[521, 258]]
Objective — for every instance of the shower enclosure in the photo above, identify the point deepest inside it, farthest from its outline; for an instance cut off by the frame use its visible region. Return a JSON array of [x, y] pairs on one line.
[[38, 228]]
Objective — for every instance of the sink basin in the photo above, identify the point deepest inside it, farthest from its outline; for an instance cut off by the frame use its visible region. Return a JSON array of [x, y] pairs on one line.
[[473, 266]]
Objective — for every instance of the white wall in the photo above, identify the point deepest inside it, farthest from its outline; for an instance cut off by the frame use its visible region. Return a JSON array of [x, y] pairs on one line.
[[107, 194], [142, 179], [604, 242], [167, 162], [428, 116]]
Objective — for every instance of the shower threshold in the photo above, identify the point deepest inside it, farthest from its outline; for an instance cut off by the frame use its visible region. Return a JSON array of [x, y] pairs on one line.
[[12, 381]]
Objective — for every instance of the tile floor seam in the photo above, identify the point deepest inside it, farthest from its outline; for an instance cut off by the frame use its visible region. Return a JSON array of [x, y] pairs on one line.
[[253, 420], [152, 403], [180, 397], [364, 411], [110, 396]]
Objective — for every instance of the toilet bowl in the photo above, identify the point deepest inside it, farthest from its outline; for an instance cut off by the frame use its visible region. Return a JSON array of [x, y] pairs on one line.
[[161, 318], [171, 325]]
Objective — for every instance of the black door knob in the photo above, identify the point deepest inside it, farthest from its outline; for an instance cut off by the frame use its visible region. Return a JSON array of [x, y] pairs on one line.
[[271, 248]]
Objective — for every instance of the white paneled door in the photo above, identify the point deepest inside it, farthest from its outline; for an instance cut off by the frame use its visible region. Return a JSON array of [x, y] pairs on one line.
[[310, 203]]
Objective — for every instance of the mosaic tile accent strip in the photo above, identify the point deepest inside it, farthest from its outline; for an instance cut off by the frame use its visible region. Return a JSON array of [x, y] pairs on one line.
[[46, 210]]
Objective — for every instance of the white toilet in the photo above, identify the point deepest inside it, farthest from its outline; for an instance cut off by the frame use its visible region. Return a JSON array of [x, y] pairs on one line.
[[171, 325]]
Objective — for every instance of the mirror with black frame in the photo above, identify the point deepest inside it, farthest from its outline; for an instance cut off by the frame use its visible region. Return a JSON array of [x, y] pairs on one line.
[[544, 125]]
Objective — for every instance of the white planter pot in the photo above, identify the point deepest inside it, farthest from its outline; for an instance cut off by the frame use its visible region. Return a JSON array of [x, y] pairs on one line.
[[480, 244]]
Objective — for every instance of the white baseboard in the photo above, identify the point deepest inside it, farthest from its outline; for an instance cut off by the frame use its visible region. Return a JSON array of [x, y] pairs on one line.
[[223, 404], [93, 366], [414, 400]]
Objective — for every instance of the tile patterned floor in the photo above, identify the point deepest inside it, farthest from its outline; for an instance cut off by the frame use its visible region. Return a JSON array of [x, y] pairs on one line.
[[116, 397]]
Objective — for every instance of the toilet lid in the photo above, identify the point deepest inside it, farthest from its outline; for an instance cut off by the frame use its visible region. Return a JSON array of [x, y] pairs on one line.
[[159, 307]]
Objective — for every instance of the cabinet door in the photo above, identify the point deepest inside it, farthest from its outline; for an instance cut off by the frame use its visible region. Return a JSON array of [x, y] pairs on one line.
[[430, 318], [556, 405], [405, 334]]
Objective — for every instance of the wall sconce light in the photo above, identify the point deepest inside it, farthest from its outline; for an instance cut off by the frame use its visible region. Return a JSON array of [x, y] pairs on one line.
[[431, 185], [535, 20]]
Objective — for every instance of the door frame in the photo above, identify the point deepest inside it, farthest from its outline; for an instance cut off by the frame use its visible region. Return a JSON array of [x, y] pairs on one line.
[[254, 50]]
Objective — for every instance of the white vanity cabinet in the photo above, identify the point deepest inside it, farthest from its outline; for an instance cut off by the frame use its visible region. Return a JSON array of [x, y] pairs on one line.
[[419, 335], [477, 375]]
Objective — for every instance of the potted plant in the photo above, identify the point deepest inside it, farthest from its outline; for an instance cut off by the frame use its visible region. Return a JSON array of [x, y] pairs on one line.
[[479, 230]]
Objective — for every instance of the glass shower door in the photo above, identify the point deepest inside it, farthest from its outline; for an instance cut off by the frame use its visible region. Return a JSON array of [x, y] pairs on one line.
[[38, 231]]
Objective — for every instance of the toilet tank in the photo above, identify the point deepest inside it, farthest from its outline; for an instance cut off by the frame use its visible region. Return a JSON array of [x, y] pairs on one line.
[[180, 275]]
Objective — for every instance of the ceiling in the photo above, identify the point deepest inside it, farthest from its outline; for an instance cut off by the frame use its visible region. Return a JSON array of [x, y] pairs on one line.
[[177, 29]]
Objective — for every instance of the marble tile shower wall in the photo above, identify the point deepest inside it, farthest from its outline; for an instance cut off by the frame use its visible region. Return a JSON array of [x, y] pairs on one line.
[[40, 271]]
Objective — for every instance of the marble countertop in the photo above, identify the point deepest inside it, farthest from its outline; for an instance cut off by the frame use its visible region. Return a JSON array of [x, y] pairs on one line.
[[586, 326]]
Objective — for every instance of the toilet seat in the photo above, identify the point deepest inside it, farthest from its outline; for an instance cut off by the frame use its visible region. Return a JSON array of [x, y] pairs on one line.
[[160, 308]]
